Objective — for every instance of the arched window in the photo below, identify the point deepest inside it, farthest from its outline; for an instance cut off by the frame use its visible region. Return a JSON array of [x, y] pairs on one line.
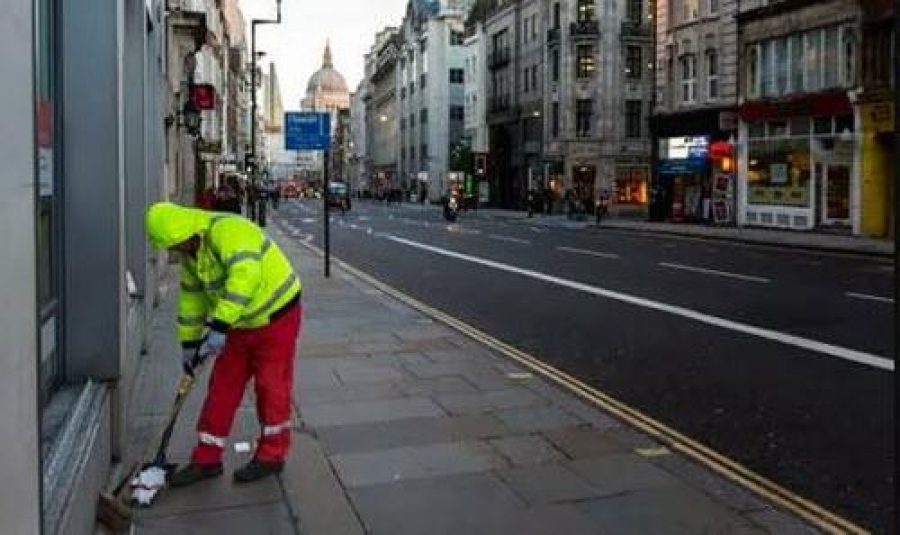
[[688, 78]]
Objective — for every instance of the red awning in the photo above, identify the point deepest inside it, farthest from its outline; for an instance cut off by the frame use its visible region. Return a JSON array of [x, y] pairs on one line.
[[818, 105]]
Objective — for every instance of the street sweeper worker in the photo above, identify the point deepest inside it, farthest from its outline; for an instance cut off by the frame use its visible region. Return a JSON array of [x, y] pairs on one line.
[[239, 304]]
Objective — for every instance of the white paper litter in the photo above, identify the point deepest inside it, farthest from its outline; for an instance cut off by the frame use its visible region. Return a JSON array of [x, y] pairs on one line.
[[147, 484]]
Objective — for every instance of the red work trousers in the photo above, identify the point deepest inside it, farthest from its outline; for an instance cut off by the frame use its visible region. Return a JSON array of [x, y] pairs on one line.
[[265, 354]]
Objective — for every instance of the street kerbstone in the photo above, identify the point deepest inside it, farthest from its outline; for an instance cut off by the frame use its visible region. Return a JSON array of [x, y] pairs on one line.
[[679, 511], [547, 484], [529, 419], [408, 432], [526, 450], [719, 488], [369, 411], [414, 462], [775, 521], [488, 401], [584, 442]]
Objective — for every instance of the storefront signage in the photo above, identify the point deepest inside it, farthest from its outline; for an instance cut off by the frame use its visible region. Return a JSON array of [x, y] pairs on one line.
[[779, 196], [684, 148], [682, 167]]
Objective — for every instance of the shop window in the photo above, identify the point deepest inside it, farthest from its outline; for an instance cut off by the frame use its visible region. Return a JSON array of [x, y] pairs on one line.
[[843, 124], [799, 126], [584, 109], [585, 62], [457, 113], [688, 78], [712, 74], [633, 119], [779, 172], [823, 126], [757, 130], [631, 185], [633, 62]]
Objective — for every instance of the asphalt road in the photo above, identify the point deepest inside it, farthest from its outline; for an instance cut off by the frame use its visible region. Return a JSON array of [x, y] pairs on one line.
[[782, 360]]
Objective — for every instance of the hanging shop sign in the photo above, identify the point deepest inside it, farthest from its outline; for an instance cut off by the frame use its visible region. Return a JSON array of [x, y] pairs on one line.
[[684, 148]]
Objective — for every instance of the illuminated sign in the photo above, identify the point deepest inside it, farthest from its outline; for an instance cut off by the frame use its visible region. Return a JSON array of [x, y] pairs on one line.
[[684, 148]]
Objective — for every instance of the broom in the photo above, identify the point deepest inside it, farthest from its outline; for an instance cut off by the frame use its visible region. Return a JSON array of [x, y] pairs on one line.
[[146, 478]]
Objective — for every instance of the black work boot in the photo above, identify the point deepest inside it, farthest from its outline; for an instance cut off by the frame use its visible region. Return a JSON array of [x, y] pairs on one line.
[[194, 473], [255, 470]]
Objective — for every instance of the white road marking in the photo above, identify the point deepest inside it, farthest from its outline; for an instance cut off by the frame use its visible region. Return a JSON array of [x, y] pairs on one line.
[[509, 239], [869, 297], [538, 230], [598, 254], [715, 272], [309, 220], [815, 346]]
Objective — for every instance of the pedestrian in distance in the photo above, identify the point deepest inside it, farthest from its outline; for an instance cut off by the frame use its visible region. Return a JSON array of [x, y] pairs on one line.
[[239, 304], [226, 200], [601, 206]]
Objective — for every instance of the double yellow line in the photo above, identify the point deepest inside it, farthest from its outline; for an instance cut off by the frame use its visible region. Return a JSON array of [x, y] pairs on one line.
[[812, 513]]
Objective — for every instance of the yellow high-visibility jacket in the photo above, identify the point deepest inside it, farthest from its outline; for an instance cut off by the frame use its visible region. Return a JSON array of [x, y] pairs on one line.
[[239, 276]]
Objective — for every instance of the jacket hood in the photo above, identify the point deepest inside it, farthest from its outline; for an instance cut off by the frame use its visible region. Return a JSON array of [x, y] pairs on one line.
[[169, 224]]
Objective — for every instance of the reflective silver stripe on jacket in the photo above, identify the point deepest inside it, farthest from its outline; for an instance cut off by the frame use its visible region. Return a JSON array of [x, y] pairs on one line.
[[191, 321], [241, 256], [237, 299], [275, 297], [276, 429], [212, 440]]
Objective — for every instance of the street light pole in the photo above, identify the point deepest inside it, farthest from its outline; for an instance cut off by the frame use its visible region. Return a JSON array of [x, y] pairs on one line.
[[254, 208]]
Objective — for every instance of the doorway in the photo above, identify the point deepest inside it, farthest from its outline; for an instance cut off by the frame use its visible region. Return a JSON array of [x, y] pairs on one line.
[[833, 206]]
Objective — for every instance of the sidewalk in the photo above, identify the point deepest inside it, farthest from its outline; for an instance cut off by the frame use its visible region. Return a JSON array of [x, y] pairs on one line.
[[408, 427], [760, 236]]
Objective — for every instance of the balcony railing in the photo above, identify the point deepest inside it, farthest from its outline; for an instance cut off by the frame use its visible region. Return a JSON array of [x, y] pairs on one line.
[[585, 28], [636, 29], [500, 58]]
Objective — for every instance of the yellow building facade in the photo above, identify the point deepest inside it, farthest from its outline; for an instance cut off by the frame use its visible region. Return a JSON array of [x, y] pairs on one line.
[[877, 187]]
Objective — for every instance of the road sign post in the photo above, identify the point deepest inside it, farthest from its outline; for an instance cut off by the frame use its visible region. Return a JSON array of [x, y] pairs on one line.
[[312, 131]]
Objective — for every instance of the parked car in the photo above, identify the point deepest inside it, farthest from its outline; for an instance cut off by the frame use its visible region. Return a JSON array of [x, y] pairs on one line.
[[338, 196]]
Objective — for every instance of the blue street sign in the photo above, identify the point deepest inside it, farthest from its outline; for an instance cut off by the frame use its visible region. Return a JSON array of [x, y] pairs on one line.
[[307, 130]]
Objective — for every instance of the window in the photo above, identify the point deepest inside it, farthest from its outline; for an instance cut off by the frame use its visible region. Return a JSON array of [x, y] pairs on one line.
[[534, 78], [811, 60], [796, 63], [584, 109], [412, 120], [423, 116], [423, 80], [457, 38], [766, 70], [831, 58], [412, 152], [633, 62], [633, 119], [554, 119], [781, 66], [457, 76], [526, 79], [403, 123], [525, 33], [534, 27], [424, 151], [556, 16], [402, 93], [554, 66], [712, 74], [585, 61], [635, 11], [585, 10], [848, 60], [712, 7], [457, 113], [412, 88], [688, 78], [877, 57], [690, 10]]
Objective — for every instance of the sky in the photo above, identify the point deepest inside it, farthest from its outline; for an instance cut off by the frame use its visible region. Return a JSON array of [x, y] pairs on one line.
[[296, 45]]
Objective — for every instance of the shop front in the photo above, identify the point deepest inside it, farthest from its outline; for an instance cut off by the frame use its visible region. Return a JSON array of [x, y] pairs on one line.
[[800, 171], [694, 178], [876, 219]]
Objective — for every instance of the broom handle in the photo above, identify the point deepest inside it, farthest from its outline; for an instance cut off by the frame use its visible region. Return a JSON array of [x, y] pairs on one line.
[[184, 386]]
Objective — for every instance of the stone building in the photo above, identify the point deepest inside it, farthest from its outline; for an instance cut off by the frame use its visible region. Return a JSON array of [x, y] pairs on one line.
[[696, 95]]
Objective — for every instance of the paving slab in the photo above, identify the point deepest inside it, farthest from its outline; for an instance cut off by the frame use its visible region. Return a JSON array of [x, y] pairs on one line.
[[448, 384], [526, 450], [408, 432], [547, 484], [676, 511], [530, 419], [319, 395], [369, 411], [584, 442], [488, 401], [264, 519], [615, 474], [415, 462]]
